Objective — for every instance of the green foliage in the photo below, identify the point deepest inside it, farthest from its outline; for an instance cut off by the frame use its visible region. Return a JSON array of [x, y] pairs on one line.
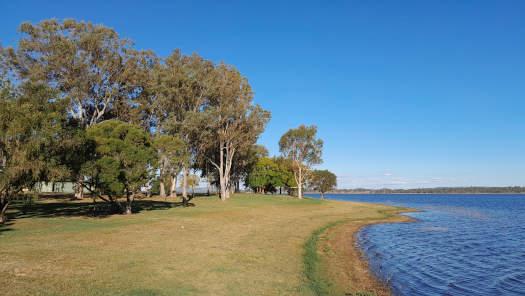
[[287, 171], [93, 67], [202, 113], [229, 123], [302, 149], [266, 175], [31, 121], [172, 155], [124, 159], [302, 146], [323, 181]]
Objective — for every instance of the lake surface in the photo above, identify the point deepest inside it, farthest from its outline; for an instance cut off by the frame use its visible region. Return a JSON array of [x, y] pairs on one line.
[[463, 244]]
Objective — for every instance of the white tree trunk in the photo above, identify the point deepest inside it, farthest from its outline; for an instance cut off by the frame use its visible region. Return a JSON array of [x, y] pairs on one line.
[[226, 153], [300, 183], [162, 190], [161, 183], [222, 178], [173, 189], [184, 183]]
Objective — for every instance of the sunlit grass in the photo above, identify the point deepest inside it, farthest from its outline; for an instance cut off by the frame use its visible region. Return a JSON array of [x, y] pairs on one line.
[[248, 245]]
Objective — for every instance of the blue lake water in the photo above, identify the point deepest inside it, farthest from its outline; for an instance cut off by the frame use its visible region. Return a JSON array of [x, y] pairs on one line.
[[464, 244]]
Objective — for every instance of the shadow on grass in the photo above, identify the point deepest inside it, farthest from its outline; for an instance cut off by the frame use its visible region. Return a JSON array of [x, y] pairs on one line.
[[5, 227], [61, 207]]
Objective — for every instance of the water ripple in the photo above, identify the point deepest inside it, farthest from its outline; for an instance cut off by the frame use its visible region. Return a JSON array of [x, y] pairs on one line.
[[461, 245]]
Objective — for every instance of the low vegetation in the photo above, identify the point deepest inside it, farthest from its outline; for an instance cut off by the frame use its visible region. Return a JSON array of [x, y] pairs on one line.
[[251, 245]]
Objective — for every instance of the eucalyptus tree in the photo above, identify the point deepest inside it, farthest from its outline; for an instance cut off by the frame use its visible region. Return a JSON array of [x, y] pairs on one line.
[[323, 181], [124, 156], [30, 126], [172, 156], [182, 91], [303, 149], [231, 122], [92, 67]]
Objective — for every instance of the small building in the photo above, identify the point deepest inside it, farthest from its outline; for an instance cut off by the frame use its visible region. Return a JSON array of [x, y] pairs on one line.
[[56, 187]]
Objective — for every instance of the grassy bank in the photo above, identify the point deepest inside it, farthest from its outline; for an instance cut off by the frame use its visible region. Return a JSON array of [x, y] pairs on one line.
[[248, 245]]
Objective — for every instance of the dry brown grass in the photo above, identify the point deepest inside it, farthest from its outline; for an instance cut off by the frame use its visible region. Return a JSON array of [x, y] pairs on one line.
[[248, 245]]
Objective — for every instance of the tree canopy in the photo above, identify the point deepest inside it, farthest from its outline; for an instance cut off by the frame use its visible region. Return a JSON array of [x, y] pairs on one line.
[[123, 164], [266, 176], [322, 181], [30, 125], [301, 147]]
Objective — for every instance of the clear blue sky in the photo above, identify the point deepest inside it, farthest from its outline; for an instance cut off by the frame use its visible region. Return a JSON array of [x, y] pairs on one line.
[[404, 93]]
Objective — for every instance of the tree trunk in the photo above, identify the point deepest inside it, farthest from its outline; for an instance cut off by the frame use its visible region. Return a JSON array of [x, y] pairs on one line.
[[129, 200], [79, 191], [173, 189], [94, 205], [232, 190], [184, 184], [300, 184], [162, 190], [224, 167], [227, 169], [224, 190], [208, 183], [322, 195], [3, 209], [222, 181]]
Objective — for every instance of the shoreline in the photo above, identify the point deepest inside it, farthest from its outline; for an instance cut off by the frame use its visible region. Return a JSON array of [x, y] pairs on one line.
[[344, 265], [420, 193]]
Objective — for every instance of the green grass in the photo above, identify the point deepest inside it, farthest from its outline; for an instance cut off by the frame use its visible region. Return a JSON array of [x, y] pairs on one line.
[[247, 245], [312, 262]]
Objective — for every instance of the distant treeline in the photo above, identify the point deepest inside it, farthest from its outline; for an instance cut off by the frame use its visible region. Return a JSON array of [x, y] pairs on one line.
[[473, 189]]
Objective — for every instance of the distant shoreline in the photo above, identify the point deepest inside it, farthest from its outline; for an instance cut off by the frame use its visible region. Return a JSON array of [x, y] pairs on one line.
[[366, 192]]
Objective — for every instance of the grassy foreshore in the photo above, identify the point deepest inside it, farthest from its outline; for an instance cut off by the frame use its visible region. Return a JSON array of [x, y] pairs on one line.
[[248, 245]]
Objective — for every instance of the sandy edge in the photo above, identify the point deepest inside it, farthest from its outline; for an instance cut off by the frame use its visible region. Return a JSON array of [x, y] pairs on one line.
[[345, 265]]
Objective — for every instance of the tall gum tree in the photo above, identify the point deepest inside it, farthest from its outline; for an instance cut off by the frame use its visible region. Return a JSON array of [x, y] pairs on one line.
[[301, 147], [230, 122], [172, 156], [90, 65], [183, 89]]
